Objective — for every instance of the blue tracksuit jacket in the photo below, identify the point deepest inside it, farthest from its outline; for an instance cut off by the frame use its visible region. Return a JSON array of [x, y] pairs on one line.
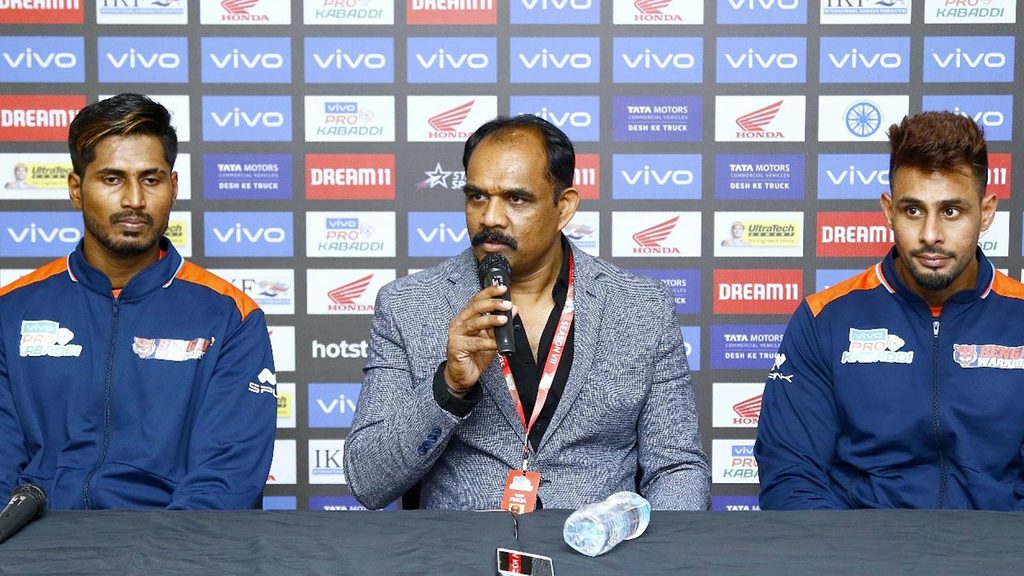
[[161, 398], [874, 402]]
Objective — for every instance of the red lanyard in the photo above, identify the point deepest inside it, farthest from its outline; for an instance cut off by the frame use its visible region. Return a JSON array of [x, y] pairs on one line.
[[554, 358]]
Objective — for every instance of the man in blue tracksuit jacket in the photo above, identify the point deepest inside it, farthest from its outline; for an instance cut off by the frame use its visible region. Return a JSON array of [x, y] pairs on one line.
[[130, 378], [901, 387]]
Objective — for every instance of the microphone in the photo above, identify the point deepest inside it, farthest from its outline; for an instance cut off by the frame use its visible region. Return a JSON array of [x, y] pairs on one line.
[[27, 502], [494, 269]]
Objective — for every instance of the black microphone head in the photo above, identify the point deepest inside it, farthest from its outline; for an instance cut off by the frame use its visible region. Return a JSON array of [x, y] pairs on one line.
[[494, 261], [31, 493]]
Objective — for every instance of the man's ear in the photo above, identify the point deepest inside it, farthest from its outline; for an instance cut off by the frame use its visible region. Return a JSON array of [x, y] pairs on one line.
[[75, 189], [886, 202], [568, 202]]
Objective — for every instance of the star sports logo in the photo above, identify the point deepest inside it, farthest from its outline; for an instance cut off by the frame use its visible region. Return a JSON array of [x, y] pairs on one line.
[[649, 239], [445, 123], [753, 124], [347, 294], [440, 177], [750, 408]]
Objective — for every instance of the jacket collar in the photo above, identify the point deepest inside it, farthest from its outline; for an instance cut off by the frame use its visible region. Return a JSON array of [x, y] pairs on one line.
[[158, 275], [886, 271]]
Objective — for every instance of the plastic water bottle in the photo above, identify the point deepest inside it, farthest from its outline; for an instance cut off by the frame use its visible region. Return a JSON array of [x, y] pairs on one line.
[[596, 528]]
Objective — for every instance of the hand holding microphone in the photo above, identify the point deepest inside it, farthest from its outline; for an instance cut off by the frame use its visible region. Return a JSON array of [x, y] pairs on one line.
[[495, 271]]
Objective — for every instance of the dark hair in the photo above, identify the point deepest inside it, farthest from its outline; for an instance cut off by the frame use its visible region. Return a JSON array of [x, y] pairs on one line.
[[561, 155], [939, 141], [121, 115]]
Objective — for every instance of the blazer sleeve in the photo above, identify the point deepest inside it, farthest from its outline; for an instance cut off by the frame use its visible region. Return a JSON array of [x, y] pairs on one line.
[[798, 427], [674, 472], [232, 441], [399, 431]]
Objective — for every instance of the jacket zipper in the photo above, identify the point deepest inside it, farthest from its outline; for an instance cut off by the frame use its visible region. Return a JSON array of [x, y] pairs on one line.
[[106, 410], [935, 414]]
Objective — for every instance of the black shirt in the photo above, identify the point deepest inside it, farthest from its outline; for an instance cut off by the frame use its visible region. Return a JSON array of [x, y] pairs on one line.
[[526, 371]]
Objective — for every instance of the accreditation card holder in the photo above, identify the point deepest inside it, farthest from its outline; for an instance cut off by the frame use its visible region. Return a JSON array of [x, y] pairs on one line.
[[512, 562]]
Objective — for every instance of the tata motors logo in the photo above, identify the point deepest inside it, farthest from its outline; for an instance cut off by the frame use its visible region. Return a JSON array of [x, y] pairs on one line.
[[342, 60], [764, 291], [332, 405], [555, 12], [684, 284], [143, 59], [657, 12], [656, 176], [852, 176], [732, 462], [250, 234], [555, 60], [853, 234], [452, 60], [32, 118], [437, 233], [42, 59], [759, 118], [247, 176], [350, 234], [432, 12], [247, 118], [759, 176], [747, 59], [665, 60], [655, 234], [346, 291], [736, 405], [238, 59], [578, 116], [48, 234], [745, 346], [859, 118], [350, 176], [874, 59], [968, 58], [448, 118], [657, 118]]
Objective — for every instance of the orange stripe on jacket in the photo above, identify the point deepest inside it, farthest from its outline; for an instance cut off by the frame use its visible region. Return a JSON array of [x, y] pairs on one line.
[[198, 275], [866, 280], [55, 267], [1007, 287]]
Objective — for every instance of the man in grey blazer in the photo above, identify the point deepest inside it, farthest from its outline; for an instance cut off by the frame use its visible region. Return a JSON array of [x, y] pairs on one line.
[[438, 406]]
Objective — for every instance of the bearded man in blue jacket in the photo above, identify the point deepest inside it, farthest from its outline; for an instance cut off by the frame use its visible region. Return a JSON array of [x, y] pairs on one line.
[[130, 378], [901, 387]]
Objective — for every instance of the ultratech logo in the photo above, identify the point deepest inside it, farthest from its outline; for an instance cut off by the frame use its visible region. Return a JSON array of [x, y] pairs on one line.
[[649, 240], [764, 291], [457, 12], [853, 234], [350, 176], [37, 118]]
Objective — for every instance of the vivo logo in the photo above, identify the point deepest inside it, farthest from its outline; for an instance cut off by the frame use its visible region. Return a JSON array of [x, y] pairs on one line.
[[648, 177], [238, 119], [751, 60], [442, 59], [557, 4], [546, 60], [649, 60], [239, 60], [764, 4], [340, 60], [34, 234], [341, 405], [989, 118], [133, 59], [855, 59], [960, 59], [442, 233], [239, 234], [30, 58], [574, 119], [856, 177]]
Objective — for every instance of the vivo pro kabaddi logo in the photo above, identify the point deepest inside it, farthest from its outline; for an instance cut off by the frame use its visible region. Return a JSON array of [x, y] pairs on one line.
[[876, 345]]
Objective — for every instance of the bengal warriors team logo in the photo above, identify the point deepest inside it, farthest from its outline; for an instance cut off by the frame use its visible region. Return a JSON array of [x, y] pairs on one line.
[[966, 355]]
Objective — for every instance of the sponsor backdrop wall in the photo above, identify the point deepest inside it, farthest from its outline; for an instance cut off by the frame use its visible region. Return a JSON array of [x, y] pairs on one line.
[[735, 149]]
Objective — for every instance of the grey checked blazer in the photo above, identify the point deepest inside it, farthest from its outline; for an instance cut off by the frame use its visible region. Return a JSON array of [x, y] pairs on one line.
[[628, 404]]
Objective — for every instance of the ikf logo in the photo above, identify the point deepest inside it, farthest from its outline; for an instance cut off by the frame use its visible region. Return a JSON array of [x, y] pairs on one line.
[[585, 231], [765, 291], [657, 12], [760, 118], [865, 11], [326, 462], [282, 342], [732, 462], [247, 118], [68, 12], [759, 177], [251, 234], [736, 405], [865, 59], [666, 60], [968, 58], [656, 176], [350, 176], [859, 118], [555, 12], [853, 234], [452, 60], [344, 291], [142, 12], [555, 60], [656, 234], [993, 113], [282, 466], [143, 59], [246, 60], [762, 12], [852, 176], [42, 59], [350, 118], [48, 234], [32, 118], [437, 233], [578, 116], [340, 60], [684, 284], [272, 289], [332, 405], [747, 59], [350, 234], [447, 118]]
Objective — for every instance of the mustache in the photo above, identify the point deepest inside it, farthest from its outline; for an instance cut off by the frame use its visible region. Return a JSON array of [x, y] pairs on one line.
[[932, 252], [494, 236], [131, 215]]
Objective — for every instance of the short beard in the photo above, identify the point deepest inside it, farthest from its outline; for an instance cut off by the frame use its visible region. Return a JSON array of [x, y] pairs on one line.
[[933, 281], [132, 245]]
